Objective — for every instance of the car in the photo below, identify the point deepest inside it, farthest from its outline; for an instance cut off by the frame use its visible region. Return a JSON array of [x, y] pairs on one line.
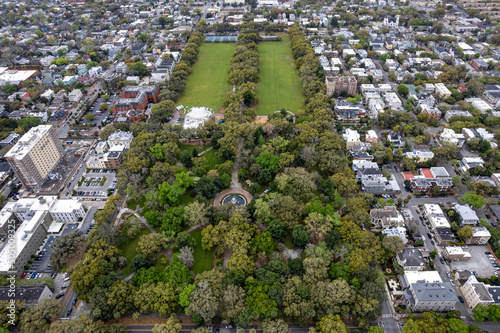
[[69, 312], [64, 287], [429, 234], [487, 216], [22, 276], [448, 275], [461, 299], [441, 260], [217, 331], [493, 225], [33, 275], [75, 301], [421, 219], [432, 242], [487, 252], [60, 295]]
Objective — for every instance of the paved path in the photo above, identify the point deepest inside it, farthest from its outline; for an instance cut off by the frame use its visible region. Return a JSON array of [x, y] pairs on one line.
[[142, 219], [203, 152], [128, 278]]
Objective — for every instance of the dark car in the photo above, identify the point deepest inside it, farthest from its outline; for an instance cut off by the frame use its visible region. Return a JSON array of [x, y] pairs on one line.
[[487, 216], [429, 234], [461, 299], [442, 261], [493, 225], [74, 301], [432, 242], [421, 219], [60, 295], [69, 312]]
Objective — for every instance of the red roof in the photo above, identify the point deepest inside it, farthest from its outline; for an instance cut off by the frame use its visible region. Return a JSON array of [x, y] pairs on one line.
[[427, 173], [408, 175]]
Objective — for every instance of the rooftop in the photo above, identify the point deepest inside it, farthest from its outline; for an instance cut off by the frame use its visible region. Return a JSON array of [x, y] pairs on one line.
[[434, 292], [28, 141]]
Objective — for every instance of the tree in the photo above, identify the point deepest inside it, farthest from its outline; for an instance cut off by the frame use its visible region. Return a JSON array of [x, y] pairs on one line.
[[277, 229], [430, 323], [473, 199], [318, 226], [233, 302], [120, 298], [186, 256], [89, 117], [173, 325], [480, 313], [196, 213], [139, 261], [403, 90], [394, 244], [465, 233], [332, 323], [162, 111], [274, 326], [300, 236], [264, 243], [149, 245], [64, 247], [103, 107], [38, 318]]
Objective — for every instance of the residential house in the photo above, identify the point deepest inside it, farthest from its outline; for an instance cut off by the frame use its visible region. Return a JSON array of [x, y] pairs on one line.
[[396, 138], [387, 217], [456, 253], [480, 236], [411, 259], [467, 216], [444, 236], [442, 91], [436, 217], [351, 137]]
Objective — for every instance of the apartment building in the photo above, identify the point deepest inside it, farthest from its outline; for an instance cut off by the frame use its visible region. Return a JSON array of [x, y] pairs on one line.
[[35, 155], [338, 84], [442, 91], [134, 100], [456, 253], [120, 138], [476, 293], [437, 297], [480, 236], [30, 295], [467, 215], [436, 216]]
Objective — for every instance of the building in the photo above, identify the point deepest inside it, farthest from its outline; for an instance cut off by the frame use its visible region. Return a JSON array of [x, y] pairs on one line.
[[15, 77], [436, 216], [444, 236], [427, 184], [449, 135], [476, 293], [75, 96], [386, 217], [30, 295], [338, 84], [480, 236], [479, 64], [371, 136], [467, 215], [411, 259], [35, 155], [67, 211], [109, 161], [442, 91], [456, 253], [409, 278], [134, 100], [10, 140], [351, 137], [468, 163], [396, 232], [438, 297], [120, 138]]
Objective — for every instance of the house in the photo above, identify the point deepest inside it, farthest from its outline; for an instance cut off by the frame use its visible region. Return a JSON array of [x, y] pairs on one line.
[[396, 232], [395, 138], [363, 164], [138, 48], [75, 96], [371, 136], [444, 184], [10, 140], [386, 217], [495, 210], [30, 295], [368, 174], [420, 155], [468, 163], [449, 135], [120, 138], [444, 236], [480, 236], [479, 64], [431, 112], [411, 259], [339, 84], [496, 178], [456, 253], [380, 185], [467, 216], [351, 137], [411, 277], [437, 297]]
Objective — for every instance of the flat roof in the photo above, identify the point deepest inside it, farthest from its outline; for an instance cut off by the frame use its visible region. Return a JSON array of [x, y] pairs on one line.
[[28, 141], [422, 276]]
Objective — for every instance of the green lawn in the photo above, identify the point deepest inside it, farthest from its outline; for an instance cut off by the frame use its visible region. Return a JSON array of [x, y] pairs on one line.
[[129, 250], [203, 260], [280, 86], [190, 148], [207, 84]]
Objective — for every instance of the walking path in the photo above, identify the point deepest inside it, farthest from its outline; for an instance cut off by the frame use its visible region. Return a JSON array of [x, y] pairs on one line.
[[142, 219], [203, 152]]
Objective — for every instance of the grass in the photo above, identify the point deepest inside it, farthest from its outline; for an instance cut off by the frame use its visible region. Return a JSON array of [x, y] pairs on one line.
[[207, 84], [203, 259], [288, 241], [212, 159], [280, 85], [129, 250], [190, 148]]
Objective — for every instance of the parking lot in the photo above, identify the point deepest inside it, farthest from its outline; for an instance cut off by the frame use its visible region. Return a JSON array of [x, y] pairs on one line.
[[100, 117], [40, 265], [91, 186], [479, 263]]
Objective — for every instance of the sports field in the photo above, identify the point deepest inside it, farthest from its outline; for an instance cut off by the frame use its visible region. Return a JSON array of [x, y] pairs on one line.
[[207, 84], [280, 85]]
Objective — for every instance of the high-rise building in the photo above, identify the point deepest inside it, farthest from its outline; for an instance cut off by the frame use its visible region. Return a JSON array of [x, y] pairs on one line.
[[341, 83], [35, 155]]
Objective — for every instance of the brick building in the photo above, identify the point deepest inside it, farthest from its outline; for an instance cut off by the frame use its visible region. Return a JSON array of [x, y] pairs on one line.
[[134, 100], [339, 84]]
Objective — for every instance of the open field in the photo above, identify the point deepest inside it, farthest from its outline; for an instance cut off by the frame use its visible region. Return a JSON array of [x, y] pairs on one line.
[[129, 250], [203, 259], [207, 84], [280, 85]]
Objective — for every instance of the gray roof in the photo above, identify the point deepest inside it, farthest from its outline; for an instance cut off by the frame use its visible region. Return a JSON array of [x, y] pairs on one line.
[[495, 294], [496, 210], [28, 294], [426, 292], [412, 256]]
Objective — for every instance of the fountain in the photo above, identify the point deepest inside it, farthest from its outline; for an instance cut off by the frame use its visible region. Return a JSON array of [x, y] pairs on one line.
[[235, 199]]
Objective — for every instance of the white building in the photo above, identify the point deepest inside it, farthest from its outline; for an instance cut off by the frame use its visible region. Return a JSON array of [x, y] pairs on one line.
[[449, 135], [396, 232], [15, 77], [442, 91], [75, 96], [351, 137], [120, 138], [467, 215], [67, 211], [436, 216], [481, 105]]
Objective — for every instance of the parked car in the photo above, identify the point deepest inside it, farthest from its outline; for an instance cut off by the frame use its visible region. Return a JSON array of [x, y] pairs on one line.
[[60, 295], [461, 299]]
